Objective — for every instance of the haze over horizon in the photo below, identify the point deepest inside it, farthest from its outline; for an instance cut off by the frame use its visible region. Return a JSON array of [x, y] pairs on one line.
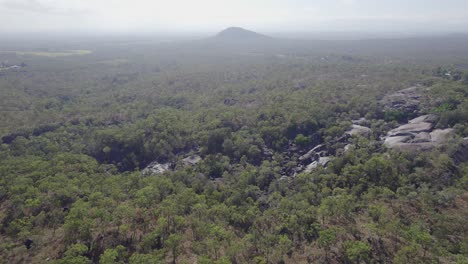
[[145, 16]]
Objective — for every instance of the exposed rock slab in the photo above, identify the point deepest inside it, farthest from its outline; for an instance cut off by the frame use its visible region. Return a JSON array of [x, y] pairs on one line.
[[417, 135], [191, 160], [322, 161], [411, 128], [421, 138], [393, 141], [156, 168], [406, 100], [312, 152], [359, 130], [439, 136], [424, 118]]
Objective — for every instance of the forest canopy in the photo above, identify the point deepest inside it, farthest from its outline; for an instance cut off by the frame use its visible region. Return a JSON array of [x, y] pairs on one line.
[[207, 153]]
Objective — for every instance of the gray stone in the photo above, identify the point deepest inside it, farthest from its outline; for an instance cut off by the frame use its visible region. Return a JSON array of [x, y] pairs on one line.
[[348, 147], [156, 168], [191, 160], [407, 100], [421, 138], [417, 135], [439, 136], [412, 128], [312, 152], [359, 130], [424, 118], [395, 141], [323, 161]]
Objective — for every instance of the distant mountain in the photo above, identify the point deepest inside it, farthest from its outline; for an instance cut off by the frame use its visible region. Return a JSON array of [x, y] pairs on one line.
[[239, 34]]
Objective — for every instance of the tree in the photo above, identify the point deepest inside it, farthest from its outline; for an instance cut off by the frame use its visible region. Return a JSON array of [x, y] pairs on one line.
[[357, 251], [137, 258], [173, 243], [326, 239], [75, 254], [409, 254], [339, 207], [113, 256]]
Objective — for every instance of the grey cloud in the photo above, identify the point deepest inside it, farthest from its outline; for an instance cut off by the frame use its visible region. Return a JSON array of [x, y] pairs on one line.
[[26, 5], [38, 7]]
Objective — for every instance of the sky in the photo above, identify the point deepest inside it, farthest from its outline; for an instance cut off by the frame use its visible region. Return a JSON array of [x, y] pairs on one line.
[[125, 16]]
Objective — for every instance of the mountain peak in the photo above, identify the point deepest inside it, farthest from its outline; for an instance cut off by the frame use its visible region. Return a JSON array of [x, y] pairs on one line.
[[238, 33]]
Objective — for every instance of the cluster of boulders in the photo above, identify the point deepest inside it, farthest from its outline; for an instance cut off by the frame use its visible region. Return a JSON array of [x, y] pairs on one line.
[[407, 100], [359, 130], [155, 167], [418, 134], [319, 156]]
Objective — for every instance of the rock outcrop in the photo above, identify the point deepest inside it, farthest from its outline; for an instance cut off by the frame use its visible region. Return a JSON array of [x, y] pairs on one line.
[[156, 168], [418, 134], [359, 130], [322, 161], [312, 153], [191, 160], [407, 100], [411, 129]]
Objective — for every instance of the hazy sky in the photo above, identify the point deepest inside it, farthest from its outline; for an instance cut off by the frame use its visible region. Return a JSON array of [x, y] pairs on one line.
[[213, 15]]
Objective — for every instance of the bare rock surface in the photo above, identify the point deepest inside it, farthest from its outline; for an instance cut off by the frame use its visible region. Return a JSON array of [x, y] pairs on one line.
[[424, 118], [411, 128], [156, 168], [417, 135], [439, 136], [191, 160], [396, 140], [407, 100], [422, 137], [312, 152], [322, 161], [359, 130]]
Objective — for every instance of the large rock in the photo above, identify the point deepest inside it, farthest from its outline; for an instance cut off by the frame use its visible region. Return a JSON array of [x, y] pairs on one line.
[[424, 118], [311, 153], [406, 100], [417, 135], [359, 130], [440, 136], [322, 161], [156, 168], [411, 128], [394, 141], [421, 138], [191, 160]]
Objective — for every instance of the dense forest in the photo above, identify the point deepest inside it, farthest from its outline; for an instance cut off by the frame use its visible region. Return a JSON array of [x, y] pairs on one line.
[[209, 152]]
